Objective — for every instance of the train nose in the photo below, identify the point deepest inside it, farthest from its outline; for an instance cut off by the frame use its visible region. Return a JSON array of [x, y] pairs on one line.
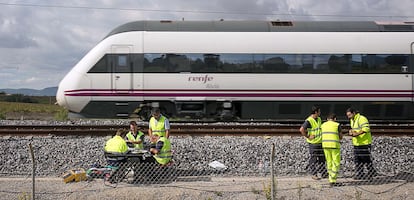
[[60, 98]]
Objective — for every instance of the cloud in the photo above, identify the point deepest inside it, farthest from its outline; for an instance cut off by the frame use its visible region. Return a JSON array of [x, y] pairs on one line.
[[16, 41], [12, 35]]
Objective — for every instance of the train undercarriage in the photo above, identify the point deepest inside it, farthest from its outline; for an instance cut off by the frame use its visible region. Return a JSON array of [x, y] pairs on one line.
[[245, 110]]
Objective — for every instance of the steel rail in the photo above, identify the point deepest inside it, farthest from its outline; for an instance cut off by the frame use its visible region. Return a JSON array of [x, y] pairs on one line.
[[191, 130]]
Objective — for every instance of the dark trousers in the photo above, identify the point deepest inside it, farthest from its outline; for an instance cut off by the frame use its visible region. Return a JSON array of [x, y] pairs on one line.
[[119, 170], [316, 160], [362, 157]]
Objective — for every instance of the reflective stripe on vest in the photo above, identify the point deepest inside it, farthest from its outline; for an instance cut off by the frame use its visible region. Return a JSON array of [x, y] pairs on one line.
[[330, 135], [164, 155], [314, 130], [158, 127], [131, 137], [357, 123]]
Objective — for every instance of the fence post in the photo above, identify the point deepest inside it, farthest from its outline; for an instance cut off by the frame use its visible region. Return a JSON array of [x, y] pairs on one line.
[[33, 170], [271, 172]]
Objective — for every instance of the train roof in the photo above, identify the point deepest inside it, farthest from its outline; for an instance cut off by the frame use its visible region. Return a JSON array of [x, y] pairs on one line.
[[264, 26]]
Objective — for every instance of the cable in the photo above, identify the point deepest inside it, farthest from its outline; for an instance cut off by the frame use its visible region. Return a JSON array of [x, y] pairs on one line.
[[203, 11]]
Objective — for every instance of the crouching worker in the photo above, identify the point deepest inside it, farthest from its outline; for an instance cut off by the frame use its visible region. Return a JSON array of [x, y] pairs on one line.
[[161, 150], [331, 135], [114, 148]]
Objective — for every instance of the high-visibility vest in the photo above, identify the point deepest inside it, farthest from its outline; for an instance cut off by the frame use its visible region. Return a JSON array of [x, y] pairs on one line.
[[131, 137], [314, 130], [330, 135], [360, 122], [116, 144], [158, 128], [164, 155]]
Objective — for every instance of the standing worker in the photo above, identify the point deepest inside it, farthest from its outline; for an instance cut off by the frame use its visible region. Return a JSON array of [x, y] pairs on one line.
[[331, 135], [135, 136], [158, 124], [361, 139], [311, 130]]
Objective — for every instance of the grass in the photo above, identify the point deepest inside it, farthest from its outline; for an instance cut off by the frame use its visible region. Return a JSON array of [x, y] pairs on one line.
[[32, 108], [24, 196]]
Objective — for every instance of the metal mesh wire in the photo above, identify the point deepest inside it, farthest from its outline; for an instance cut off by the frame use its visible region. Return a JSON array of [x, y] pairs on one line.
[[150, 173]]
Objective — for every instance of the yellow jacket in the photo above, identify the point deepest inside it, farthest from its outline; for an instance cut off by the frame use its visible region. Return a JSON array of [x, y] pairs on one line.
[[116, 144]]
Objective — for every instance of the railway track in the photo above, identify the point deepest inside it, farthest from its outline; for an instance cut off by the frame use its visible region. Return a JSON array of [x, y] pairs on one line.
[[193, 130]]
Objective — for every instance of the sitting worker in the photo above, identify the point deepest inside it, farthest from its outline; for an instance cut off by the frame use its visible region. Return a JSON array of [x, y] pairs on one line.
[[135, 136], [158, 124], [161, 150], [115, 146]]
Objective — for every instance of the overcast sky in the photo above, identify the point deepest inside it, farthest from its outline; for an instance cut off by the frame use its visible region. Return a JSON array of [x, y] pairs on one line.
[[40, 41]]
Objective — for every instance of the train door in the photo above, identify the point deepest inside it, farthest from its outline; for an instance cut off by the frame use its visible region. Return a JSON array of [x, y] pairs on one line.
[[121, 68]]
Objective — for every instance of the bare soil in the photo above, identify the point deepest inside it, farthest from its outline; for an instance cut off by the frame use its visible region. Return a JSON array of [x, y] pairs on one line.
[[29, 116], [216, 188]]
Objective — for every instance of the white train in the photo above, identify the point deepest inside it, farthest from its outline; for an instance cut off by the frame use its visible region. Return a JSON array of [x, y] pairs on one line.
[[246, 69]]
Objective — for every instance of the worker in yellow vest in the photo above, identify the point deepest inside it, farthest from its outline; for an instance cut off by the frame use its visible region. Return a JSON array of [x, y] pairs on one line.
[[116, 146], [162, 150], [158, 124], [331, 135], [135, 136], [311, 130], [361, 139]]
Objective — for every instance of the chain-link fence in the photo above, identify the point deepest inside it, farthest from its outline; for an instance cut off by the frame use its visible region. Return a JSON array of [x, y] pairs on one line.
[[218, 167]]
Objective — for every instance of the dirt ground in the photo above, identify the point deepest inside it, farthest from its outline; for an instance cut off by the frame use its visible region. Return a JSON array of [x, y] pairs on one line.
[[214, 188], [29, 116]]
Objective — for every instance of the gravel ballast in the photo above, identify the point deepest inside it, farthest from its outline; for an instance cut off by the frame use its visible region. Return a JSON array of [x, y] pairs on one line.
[[243, 155]]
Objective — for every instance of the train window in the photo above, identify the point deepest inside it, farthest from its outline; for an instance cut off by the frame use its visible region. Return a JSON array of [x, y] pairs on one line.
[[341, 63], [374, 63], [101, 66], [356, 63], [257, 63], [321, 63], [167, 63], [285, 109], [274, 63], [121, 63], [294, 61], [137, 62], [196, 62], [211, 62], [236, 63], [178, 63], [155, 63]]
